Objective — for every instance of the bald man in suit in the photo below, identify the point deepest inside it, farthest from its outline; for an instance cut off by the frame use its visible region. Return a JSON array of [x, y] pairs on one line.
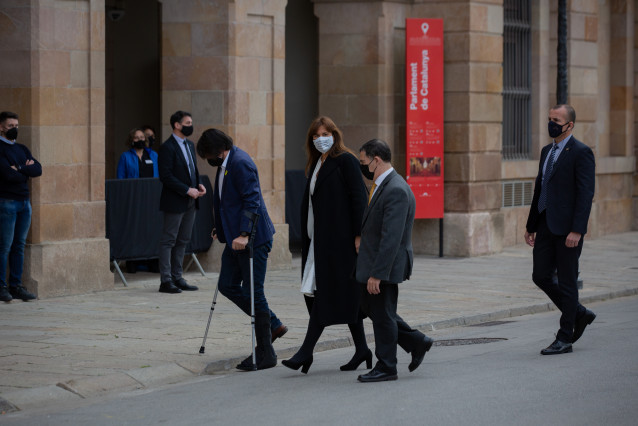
[[557, 223]]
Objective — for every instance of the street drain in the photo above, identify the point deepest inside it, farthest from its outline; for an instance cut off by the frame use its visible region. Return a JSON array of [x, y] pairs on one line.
[[490, 323], [461, 342]]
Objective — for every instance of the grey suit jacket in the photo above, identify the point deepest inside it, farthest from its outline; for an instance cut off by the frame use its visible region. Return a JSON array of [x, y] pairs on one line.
[[385, 251]]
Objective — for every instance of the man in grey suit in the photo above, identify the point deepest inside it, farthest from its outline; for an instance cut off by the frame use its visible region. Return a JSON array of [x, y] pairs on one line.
[[385, 260]]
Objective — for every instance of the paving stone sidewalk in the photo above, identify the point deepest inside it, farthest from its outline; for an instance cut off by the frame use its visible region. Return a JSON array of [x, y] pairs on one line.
[[67, 348]]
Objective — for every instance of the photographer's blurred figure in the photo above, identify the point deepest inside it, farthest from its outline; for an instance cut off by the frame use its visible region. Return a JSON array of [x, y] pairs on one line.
[[237, 192]]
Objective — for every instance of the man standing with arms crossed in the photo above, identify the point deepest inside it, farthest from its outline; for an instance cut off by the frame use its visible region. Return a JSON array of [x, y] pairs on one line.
[[180, 191], [385, 260], [557, 223], [17, 165]]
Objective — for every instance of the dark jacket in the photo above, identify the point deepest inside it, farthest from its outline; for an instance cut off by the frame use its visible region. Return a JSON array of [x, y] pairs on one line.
[[385, 252], [338, 202], [175, 176], [13, 183], [241, 193], [570, 190]]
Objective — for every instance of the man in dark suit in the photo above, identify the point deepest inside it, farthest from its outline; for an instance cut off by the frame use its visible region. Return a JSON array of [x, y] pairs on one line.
[[557, 223], [237, 197], [180, 191], [385, 260]]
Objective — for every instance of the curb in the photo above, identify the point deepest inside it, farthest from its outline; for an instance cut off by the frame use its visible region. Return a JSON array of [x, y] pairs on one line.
[[171, 373]]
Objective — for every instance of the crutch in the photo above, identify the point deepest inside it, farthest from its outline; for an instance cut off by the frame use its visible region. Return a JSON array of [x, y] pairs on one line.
[[210, 316], [253, 218]]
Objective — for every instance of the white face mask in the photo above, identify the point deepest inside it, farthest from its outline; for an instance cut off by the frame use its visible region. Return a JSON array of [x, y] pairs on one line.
[[323, 143]]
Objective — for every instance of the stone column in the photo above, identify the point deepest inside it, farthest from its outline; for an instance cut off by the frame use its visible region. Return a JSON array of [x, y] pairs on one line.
[[362, 84], [53, 77], [635, 150], [357, 75], [223, 61], [473, 223], [600, 66], [622, 77]]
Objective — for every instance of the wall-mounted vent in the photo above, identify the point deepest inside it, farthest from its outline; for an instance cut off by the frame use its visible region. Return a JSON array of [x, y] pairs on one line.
[[517, 193]]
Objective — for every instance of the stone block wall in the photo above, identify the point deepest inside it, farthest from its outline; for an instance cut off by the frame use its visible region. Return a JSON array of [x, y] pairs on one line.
[[598, 66], [635, 150], [55, 82], [224, 62]]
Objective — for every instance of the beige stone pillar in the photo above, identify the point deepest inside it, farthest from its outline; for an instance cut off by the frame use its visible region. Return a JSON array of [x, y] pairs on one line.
[[358, 85], [601, 85], [55, 81], [635, 150], [362, 84], [622, 77], [223, 61], [473, 115]]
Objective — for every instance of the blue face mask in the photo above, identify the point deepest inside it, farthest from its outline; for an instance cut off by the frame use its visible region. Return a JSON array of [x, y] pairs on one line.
[[555, 129]]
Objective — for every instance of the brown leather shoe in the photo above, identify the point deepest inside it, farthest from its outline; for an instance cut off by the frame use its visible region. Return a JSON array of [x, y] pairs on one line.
[[278, 332]]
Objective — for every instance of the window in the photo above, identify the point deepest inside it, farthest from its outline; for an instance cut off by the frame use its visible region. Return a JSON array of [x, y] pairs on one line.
[[516, 79]]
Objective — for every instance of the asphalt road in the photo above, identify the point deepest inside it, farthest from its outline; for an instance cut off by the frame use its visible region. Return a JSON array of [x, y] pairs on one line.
[[505, 382]]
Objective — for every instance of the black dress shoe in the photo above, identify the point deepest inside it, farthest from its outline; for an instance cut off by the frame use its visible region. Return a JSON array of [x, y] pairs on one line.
[[183, 285], [169, 287], [419, 353], [19, 292], [556, 348], [376, 376], [579, 328], [5, 296]]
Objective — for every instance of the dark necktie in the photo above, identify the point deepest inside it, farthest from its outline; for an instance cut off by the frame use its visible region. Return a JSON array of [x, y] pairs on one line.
[[191, 166], [542, 200]]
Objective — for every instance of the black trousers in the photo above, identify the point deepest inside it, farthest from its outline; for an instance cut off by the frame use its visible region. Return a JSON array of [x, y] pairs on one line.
[[389, 328], [551, 254]]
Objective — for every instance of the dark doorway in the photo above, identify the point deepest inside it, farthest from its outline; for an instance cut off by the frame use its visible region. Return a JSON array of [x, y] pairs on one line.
[[302, 94], [133, 91]]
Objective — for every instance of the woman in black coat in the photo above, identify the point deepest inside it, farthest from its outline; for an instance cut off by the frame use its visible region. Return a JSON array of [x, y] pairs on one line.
[[331, 214]]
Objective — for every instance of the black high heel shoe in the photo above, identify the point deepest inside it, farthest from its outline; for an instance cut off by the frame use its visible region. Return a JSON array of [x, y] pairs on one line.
[[356, 361], [305, 364]]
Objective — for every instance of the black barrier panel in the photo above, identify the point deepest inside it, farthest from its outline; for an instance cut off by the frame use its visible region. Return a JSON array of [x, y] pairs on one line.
[[134, 221], [295, 187]]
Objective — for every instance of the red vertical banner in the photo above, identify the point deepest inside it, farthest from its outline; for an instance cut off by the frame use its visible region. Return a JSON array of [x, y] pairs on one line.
[[424, 114]]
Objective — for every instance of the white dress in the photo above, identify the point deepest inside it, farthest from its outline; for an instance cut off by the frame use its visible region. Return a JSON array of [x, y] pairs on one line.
[[308, 282]]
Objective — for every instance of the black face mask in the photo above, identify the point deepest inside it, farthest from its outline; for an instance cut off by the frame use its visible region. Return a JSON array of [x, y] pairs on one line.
[[365, 170], [215, 162], [12, 133], [555, 129], [139, 144], [187, 130], [151, 141]]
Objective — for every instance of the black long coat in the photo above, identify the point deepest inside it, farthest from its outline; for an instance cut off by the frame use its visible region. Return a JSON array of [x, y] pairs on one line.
[[339, 199]]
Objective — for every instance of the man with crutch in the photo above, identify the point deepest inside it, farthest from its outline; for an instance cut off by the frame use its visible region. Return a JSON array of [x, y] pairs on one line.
[[237, 200]]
